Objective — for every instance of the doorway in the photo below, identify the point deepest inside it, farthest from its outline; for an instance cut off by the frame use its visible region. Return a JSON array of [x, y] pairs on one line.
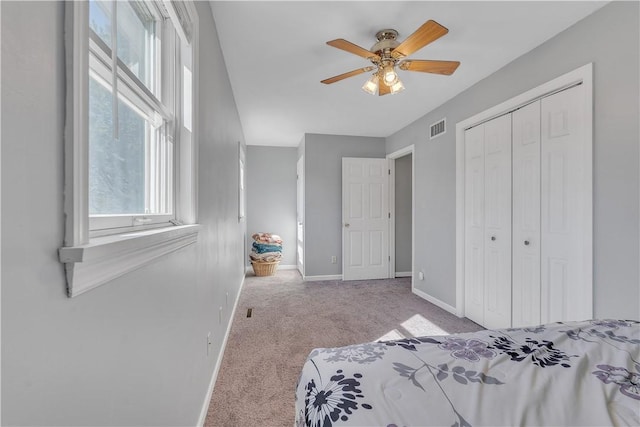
[[401, 203], [300, 215]]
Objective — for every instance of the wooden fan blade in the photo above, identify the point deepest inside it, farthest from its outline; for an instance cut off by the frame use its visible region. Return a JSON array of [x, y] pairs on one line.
[[347, 75], [428, 32], [353, 48], [436, 67], [383, 89]]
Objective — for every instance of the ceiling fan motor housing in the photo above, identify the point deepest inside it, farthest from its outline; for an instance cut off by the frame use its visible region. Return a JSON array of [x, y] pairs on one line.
[[387, 41]]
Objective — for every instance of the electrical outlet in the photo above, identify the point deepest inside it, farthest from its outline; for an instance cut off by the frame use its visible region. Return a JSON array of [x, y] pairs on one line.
[[209, 343], [220, 316], [421, 275], [334, 259]]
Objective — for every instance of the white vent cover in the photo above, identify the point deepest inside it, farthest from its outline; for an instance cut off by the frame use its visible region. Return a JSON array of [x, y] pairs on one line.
[[438, 128]]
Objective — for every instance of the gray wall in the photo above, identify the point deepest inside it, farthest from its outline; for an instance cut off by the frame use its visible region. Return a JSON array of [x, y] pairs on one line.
[[609, 38], [133, 351], [323, 195], [403, 214], [271, 196]]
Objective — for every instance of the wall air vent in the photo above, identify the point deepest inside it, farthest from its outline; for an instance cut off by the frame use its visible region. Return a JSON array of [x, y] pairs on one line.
[[438, 128]]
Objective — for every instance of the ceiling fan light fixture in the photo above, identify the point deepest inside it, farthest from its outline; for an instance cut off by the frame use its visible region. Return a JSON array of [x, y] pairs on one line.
[[387, 53], [397, 87], [389, 75], [371, 85]]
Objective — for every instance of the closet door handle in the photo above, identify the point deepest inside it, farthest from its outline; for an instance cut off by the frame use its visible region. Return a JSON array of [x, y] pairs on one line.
[[526, 243], [493, 237]]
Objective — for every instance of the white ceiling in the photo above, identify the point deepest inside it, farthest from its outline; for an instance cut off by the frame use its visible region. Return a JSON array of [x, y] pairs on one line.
[[276, 55]]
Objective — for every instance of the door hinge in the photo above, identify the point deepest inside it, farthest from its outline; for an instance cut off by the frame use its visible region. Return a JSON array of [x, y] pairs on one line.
[[389, 171], [389, 214], [389, 258]]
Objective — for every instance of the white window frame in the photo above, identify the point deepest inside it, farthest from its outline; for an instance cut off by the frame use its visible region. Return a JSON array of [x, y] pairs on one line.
[[93, 258], [242, 182], [147, 102]]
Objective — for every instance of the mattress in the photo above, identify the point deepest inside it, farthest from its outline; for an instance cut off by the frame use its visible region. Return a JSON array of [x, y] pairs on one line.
[[567, 373]]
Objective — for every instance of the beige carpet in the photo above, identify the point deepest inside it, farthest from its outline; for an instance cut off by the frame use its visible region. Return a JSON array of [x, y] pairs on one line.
[[265, 352]]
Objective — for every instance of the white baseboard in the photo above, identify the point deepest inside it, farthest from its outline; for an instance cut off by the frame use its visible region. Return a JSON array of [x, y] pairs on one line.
[[321, 278], [403, 274], [216, 370], [435, 301]]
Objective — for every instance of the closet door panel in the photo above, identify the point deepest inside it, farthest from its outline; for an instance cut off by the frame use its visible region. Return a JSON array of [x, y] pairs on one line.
[[526, 216], [497, 235], [566, 273], [474, 224]]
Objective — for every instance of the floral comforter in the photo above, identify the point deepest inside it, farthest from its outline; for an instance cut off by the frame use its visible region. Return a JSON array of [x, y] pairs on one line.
[[570, 373]]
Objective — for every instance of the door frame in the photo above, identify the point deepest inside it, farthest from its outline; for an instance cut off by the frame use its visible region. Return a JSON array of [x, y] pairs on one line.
[[391, 158], [582, 75], [300, 214]]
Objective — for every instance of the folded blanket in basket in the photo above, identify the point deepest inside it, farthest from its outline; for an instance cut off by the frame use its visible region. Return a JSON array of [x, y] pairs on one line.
[[263, 247], [267, 238], [266, 257]]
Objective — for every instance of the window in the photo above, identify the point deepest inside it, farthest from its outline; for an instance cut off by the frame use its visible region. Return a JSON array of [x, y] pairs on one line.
[[241, 182], [130, 151]]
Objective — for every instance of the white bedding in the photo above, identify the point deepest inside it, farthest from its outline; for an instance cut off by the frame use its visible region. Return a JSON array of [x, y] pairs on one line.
[[572, 373]]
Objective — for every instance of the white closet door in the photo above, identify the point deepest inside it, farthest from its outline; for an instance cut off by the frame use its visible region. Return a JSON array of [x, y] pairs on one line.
[[566, 269], [526, 216], [497, 212], [474, 224]]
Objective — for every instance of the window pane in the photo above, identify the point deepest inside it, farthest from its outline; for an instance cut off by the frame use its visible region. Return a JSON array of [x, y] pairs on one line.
[[136, 40], [116, 167], [187, 98], [100, 13]]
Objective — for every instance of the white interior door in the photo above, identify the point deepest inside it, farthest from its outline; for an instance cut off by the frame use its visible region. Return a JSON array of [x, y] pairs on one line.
[[300, 215], [474, 224], [497, 219], [365, 219], [566, 223], [545, 274], [526, 216]]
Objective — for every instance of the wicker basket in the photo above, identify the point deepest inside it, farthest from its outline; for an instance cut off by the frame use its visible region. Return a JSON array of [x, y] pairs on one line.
[[265, 268]]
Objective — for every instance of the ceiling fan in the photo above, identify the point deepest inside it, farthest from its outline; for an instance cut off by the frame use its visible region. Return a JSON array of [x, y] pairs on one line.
[[388, 53]]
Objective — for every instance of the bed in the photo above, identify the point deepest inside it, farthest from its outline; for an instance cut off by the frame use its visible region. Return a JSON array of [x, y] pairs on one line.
[[568, 373]]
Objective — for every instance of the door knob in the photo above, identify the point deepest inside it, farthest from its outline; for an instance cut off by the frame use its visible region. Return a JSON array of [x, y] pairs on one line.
[[493, 237], [526, 243], [346, 224]]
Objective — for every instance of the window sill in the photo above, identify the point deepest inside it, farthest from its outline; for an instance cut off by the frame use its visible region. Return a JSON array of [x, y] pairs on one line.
[[105, 258]]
